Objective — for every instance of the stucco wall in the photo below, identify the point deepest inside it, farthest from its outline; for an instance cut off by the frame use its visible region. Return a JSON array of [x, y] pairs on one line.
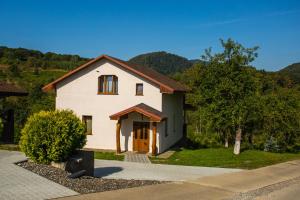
[[172, 107], [79, 93]]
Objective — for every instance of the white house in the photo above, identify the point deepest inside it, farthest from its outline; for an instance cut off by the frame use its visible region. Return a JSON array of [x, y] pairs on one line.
[[125, 107]]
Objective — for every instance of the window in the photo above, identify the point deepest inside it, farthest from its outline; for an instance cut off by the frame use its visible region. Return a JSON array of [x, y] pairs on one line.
[[174, 123], [108, 84], [166, 127], [87, 120], [139, 89]]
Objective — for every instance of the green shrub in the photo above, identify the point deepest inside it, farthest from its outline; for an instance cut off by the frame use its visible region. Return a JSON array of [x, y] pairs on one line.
[[52, 136], [203, 140], [271, 145]]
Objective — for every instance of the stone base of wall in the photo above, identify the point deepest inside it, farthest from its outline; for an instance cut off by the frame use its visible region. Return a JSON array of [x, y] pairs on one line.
[[60, 165]]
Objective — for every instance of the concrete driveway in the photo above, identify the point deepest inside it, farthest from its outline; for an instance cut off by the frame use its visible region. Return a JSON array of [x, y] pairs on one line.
[[140, 171], [19, 183]]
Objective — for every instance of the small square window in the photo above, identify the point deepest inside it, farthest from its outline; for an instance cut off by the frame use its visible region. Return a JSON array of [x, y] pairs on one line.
[[139, 89], [87, 120]]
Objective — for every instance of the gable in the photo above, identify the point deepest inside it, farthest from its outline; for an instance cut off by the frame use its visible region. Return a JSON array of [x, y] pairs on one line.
[[166, 84], [86, 82]]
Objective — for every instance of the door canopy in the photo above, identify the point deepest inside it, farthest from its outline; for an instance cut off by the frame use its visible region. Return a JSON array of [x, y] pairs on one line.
[[153, 114]]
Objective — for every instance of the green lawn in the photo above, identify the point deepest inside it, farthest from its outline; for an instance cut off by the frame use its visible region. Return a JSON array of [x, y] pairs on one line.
[[10, 147], [97, 155], [221, 157], [108, 156]]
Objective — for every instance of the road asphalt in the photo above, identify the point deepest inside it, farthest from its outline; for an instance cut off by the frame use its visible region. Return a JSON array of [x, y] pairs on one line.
[[274, 182]]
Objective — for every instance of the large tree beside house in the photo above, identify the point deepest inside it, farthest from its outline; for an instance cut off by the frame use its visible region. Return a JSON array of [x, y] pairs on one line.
[[224, 87], [231, 99]]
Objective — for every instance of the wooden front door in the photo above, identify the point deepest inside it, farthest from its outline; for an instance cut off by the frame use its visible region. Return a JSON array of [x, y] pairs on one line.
[[141, 133]]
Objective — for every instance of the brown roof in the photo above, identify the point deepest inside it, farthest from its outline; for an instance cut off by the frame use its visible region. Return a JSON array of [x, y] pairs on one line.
[[166, 84], [141, 108], [7, 89]]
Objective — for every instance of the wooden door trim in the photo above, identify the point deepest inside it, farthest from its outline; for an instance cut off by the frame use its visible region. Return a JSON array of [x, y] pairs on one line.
[[135, 144]]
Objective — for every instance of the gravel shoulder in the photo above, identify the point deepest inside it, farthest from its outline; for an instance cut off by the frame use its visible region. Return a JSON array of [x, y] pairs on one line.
[[84, 184], [267, 191]]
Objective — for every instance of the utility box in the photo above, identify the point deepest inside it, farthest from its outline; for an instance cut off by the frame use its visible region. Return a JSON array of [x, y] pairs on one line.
[[81, 161]]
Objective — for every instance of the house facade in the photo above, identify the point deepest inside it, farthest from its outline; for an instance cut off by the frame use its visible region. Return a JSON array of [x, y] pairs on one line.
[[124, 107]]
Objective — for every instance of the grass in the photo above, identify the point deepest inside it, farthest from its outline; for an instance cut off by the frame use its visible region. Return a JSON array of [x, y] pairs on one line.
[[97, 155], [10, 147], [221, 157], [108, 156]]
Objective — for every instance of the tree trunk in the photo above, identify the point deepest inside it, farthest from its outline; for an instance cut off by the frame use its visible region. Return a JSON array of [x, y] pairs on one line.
[[237, 145], [226, 140]]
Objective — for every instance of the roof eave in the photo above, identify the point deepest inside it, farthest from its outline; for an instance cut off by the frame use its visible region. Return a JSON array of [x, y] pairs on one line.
[[151, 116], [163, 88]]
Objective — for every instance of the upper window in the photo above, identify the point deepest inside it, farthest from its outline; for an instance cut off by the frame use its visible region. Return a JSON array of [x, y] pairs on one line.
[[108, 84], [139, 89], [87, 120]]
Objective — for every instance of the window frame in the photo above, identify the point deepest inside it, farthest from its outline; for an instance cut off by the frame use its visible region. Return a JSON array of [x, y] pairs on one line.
[[174, 122], [84, 120], [136, 89], [166, 128], [102, 80]]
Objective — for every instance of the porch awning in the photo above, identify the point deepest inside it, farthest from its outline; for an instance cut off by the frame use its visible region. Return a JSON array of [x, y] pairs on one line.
[[143, 109], [7, 89]]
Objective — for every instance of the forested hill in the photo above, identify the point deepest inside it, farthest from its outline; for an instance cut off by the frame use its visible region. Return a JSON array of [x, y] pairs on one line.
[[162, 62], [26, 58], [293, 71]]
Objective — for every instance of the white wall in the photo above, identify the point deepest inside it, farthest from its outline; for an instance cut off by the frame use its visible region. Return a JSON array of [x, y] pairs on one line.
[[79, 93], [172, 107]]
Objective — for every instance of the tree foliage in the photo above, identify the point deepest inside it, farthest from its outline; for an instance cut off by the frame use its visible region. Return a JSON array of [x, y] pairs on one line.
[[163, 62], [232, 97], [25, 58], [281, 119], [292, 71]]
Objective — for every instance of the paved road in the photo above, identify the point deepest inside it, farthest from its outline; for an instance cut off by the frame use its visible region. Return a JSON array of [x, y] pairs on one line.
[[291, 192], [281, 181], [277, 182], [19, 183], [142, 171]]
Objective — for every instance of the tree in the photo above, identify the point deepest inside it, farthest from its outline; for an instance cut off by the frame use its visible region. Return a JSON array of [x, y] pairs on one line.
[[14, 70], [281, 119], [222, 87]]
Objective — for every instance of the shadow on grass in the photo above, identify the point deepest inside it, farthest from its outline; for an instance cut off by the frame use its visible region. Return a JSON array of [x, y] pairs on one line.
[[101, 172]]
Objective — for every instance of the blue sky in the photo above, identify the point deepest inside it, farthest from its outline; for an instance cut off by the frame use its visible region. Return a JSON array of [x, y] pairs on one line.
[[126, 28]]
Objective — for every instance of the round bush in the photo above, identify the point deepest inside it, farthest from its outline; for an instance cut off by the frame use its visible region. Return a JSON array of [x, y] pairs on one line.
[[52, 136]]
